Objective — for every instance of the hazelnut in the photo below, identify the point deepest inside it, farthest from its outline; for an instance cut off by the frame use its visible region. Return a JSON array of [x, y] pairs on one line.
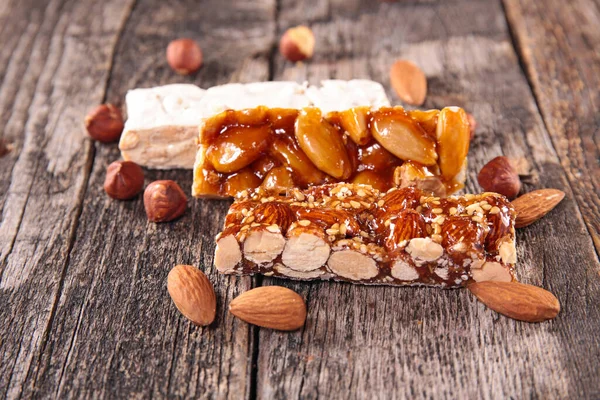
[[184, 56], [297, 43], [4, 148], [164, 201], [499, 176], [104, 123], [472, 125], [124, 180]]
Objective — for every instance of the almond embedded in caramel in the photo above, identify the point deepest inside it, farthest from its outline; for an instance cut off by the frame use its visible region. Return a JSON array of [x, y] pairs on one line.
[[238, 147], [407, 225], [322, 143], [273, 213], [403, 137]]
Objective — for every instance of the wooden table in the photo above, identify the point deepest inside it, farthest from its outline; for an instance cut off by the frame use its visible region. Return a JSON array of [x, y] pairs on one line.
[[84, 309]]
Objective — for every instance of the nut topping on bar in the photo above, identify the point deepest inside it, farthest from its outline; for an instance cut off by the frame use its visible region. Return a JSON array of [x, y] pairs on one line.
[[383, 147], [358, 234]]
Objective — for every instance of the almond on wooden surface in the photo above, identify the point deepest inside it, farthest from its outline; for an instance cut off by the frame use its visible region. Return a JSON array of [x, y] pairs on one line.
[[534, 205], [409, 82], [517, 300], [193, 294], [273, 307]]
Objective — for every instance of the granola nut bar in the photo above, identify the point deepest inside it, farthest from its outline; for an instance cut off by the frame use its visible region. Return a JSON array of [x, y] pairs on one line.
[[358, 234]]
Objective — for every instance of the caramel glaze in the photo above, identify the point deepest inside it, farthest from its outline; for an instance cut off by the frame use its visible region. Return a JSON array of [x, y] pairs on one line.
[[384, 223], [261, 139]]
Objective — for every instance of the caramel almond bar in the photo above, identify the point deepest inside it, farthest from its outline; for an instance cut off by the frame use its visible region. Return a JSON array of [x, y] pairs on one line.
[[357, 234], [284, 148]]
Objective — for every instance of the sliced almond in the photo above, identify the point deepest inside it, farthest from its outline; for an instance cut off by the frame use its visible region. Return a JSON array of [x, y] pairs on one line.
[[409, 82], [491, 271], [193, 294], [517, 300], [534, 205], [262, 246], [273, 307], [305, 251], [352, 265], [227, 254]]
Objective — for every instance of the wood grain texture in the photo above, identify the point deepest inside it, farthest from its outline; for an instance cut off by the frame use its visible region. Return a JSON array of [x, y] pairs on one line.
[[83, 297], [558, 42], [425, 343], [54, 69], [117, 333]]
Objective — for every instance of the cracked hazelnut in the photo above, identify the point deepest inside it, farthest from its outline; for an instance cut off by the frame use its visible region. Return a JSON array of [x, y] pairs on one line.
[[164, 201], [499, 176], [104, 123], [184, 56], [297, 43], [124, 180]]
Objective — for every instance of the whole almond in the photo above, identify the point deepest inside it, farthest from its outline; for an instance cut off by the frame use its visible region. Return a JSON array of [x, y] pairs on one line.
[[406, 225], [326, 218], [273, 307], [517, 300], [409, 82], [193, 294], [534, 205]]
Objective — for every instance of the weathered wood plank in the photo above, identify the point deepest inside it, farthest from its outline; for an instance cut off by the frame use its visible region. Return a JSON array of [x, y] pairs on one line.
[[369, 342], [558, 42], [558, 45], [55, 65], [116, 333]]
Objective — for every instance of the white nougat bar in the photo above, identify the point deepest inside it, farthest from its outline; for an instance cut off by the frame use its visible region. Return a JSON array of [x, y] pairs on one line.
[[162, 125]]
